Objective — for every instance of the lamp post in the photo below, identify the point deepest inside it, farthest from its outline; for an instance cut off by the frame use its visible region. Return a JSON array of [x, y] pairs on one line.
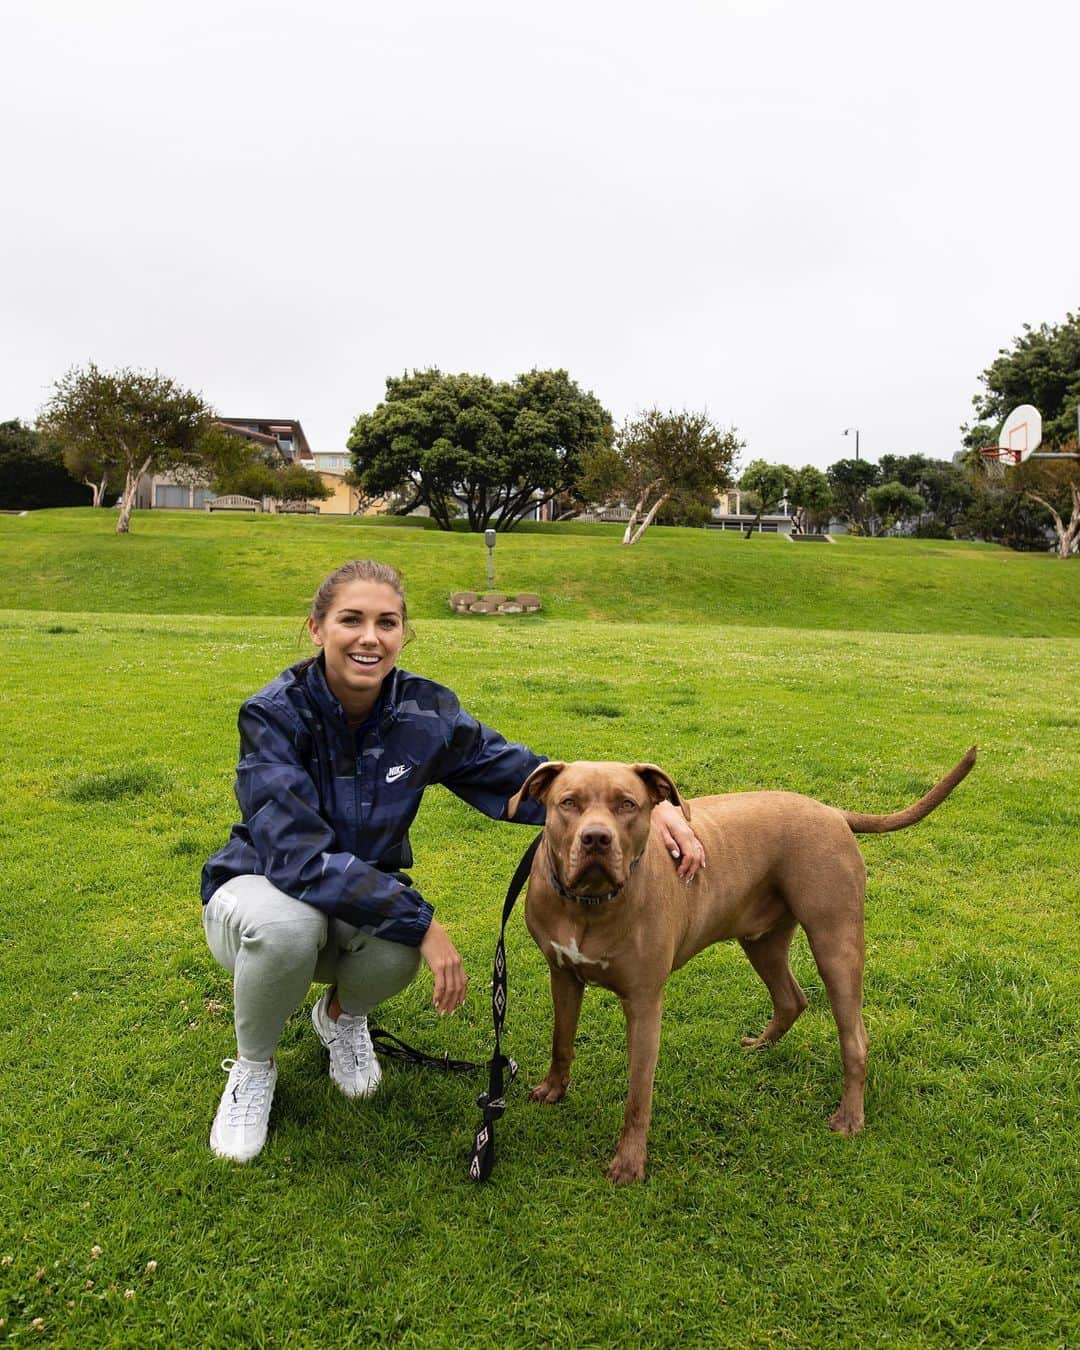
[[847, 432], [489, 539]]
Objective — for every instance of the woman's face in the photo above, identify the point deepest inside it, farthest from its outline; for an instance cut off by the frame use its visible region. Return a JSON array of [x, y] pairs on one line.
[[361, 637]]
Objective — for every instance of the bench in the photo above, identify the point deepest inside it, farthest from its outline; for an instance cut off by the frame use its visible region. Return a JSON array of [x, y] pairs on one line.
[[232, 501]]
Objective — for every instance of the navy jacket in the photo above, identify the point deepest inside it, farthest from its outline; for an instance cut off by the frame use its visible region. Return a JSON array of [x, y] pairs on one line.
[[326, 810]]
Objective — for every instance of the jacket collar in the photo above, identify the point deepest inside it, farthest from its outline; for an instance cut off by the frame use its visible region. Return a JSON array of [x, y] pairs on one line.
[[314, 680]]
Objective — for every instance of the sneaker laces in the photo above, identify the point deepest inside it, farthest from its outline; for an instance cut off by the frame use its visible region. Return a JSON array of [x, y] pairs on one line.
[[352, 1047], [247, 1093]]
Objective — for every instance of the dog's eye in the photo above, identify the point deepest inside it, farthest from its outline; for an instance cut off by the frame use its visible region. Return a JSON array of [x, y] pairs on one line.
[[628, 805], [568, 804]]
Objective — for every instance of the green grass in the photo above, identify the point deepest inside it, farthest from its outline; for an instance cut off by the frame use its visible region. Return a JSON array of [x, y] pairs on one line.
[[947, 1222], [194, 563]]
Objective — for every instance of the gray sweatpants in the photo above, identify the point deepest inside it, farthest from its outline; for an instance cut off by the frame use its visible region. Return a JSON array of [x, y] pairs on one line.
[[276, 946]]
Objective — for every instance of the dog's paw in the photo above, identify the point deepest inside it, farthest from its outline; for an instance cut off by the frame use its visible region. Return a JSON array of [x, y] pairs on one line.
[[627, 1168], [548, 1092], [846, 1122]]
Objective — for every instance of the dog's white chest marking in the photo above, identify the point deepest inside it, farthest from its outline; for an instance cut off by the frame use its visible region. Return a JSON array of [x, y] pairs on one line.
[[570, 958]]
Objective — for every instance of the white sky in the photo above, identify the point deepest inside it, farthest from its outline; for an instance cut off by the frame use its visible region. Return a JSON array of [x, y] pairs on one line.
[[801, 217]]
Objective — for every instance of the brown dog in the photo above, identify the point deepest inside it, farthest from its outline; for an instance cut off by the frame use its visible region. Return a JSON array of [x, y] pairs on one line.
[[606, 907]]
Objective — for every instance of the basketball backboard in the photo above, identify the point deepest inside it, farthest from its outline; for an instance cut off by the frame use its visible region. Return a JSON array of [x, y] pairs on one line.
[[1021, 433]]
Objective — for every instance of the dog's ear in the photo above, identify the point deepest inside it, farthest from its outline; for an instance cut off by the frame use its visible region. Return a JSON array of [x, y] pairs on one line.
[[660, 786], [537, 785]]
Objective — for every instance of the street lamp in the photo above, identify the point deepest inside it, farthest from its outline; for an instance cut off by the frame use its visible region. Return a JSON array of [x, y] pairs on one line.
[[489, 539], [847, 432]]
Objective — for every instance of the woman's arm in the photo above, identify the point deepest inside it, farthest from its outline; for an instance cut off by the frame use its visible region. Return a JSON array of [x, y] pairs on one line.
[[296, 848]]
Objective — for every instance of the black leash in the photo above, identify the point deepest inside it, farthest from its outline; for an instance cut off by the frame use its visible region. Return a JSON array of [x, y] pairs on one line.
[[493, 1102], [501, 1068], [390, 1047]]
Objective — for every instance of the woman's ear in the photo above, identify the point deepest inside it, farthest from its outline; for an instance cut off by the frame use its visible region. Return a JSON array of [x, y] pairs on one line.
[[313, 632]]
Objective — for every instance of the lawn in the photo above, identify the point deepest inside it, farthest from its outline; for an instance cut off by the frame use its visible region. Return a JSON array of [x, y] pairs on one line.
[[178, 562], [946, 1222]]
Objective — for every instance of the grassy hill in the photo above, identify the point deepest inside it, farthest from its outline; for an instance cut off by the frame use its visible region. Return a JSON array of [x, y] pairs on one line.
[[193, 563]]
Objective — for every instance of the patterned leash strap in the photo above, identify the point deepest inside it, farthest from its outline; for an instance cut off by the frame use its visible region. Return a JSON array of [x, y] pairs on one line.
[[501, 1068]]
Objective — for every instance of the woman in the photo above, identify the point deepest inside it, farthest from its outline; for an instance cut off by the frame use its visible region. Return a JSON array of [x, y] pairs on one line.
[[334, 758]]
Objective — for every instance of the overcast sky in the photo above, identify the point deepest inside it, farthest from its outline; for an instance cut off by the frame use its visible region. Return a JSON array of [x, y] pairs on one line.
[[801, 217]]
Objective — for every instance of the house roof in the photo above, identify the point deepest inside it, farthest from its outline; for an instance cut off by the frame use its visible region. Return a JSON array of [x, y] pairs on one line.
[[265, 429]]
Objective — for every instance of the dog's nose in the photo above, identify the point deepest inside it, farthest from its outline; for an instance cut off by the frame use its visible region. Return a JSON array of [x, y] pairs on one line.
[[596, 838]]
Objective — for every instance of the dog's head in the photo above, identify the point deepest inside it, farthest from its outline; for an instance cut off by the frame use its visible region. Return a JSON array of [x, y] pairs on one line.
[[597, 818]]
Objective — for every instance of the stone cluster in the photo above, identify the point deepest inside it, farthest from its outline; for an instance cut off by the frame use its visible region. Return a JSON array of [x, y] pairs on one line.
[[494, 602]]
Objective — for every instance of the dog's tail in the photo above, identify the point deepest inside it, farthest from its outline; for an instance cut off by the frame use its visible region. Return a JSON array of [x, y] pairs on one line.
[[900, 820]]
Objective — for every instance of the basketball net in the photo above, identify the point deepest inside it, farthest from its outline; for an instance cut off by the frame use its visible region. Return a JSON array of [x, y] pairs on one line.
[[995, 458]]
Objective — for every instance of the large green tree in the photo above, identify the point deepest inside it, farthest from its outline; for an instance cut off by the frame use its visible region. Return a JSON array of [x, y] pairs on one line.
[[1042, 368], [944, 487], [677, 458], [492, 450], [850, 480], [893, 503], [129, 422], [32, 471]]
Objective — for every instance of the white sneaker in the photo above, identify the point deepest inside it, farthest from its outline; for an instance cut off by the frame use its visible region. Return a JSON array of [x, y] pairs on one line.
[[239, 1128], [353, 1065]]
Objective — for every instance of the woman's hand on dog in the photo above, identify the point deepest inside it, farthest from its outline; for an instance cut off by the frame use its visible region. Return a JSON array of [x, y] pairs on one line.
[[681, 842]]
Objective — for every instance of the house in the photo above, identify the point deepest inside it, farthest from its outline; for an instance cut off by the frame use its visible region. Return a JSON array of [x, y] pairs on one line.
[[728, 514], [282, 439]]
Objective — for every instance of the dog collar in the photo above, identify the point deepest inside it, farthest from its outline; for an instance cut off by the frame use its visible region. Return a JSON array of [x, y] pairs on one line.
[[588, 900]]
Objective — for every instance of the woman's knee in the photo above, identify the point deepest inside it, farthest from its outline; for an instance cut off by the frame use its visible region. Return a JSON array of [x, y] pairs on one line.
[[249, 914], [294, 941]]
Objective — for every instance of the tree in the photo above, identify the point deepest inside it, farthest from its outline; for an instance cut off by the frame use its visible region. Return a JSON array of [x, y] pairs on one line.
[[127, 422], [849, 480], [1042, 368], [32, 472], [492, 450], [1056, 488], [894, 503], [231, 463], [86, 462], [811, 496], [946, 490], [297, 484], [657, 458], [768, 485]]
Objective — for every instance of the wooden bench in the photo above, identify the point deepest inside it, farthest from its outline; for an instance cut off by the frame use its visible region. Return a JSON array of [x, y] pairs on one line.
[[232, 501]]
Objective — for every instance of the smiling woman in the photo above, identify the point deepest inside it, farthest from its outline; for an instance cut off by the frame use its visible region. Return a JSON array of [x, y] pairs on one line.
[[335, 755]]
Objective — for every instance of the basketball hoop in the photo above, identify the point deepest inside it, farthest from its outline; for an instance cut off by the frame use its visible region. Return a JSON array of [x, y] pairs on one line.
[[995, 457]]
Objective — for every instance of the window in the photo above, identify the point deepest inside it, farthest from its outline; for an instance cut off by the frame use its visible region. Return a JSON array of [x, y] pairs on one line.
[[169, 497]]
